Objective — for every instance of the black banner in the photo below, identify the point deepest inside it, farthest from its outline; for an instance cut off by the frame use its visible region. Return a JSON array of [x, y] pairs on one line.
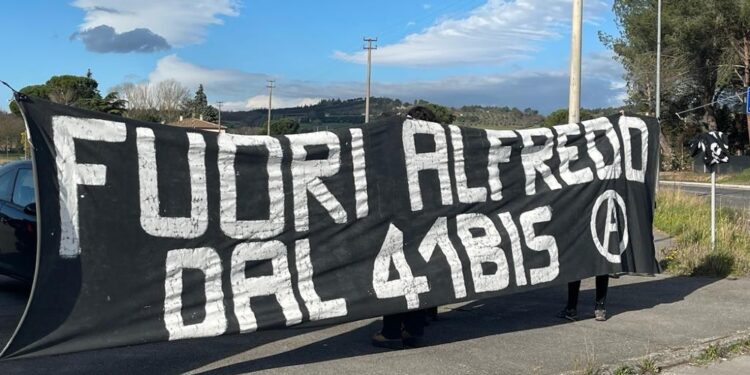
[[149, 232]]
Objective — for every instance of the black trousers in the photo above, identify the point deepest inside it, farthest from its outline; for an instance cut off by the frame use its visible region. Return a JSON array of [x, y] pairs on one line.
[[412, 322], [602, 283]]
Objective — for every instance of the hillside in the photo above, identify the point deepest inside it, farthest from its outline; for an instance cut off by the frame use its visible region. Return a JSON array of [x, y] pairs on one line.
[[331, 113], [334, 113]]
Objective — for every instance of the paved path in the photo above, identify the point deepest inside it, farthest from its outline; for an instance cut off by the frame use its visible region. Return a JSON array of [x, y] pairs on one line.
[[515, 334], [735, 366]]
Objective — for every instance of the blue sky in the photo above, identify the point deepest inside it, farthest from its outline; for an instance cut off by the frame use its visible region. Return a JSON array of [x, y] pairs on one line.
[[453, 52]]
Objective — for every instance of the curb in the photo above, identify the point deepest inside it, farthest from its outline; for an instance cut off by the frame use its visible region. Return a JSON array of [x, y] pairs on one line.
[[672, 357], [704, 184]]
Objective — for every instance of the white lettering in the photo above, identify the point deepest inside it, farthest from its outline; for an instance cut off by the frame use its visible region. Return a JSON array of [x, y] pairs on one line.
[[151, 219], [515, 241], [279, 284], [483, 248], [533, 158], [406, 284], [359, 173], [570, 154], [540, 243], [603, 171], [250, 229], [318, 309], [436, 160], [70, 173], [497, 154], [627, 123], [465, 193], [438, 237], [306, 176], [206, 260]]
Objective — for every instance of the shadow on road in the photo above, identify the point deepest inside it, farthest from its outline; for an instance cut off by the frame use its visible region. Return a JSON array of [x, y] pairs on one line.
[[496, 316]]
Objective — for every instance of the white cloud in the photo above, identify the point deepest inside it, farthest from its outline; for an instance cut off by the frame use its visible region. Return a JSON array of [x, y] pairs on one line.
[[496, 32], [545, 90], [179, 22], [225, 81]]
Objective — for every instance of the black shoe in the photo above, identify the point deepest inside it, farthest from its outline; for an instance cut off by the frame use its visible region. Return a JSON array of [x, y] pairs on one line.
[[410, 341], [569, 314], [383, 342]]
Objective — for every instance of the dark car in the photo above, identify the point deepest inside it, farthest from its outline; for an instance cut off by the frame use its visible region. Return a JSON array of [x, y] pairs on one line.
[[17, 220]]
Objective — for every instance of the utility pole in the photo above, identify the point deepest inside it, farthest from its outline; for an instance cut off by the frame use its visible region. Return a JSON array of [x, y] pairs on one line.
[[219, 103], [658, 91], [658, 61], [574, 96], [369, 49], [270, 99]]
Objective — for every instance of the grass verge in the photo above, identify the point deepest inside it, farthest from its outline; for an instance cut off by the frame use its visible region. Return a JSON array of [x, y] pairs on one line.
[[715, 352], [688, 218]]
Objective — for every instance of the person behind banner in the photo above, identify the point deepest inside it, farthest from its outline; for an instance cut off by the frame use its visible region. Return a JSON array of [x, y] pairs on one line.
[[406, 329], [570, 312]]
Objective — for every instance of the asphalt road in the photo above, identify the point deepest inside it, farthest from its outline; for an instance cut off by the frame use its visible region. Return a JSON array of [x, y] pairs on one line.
[[506, 335], [738, 198], [514, 334]]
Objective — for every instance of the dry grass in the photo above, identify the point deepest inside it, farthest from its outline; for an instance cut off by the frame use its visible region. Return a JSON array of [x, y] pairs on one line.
[[688, 218]]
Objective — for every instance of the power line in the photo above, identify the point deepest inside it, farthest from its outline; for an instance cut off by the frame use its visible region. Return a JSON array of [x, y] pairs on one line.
[[369, 49]]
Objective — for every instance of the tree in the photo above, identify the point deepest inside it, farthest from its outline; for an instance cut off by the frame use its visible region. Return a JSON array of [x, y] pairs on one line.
[[111, 104], [735, 20], [560, 117], [169, 96], [39, 91], [198, 106], [693, 54], [82, 92], [154, 102], [73, 90], [443, 114], [557, 117], [10, 128], [284, 126]]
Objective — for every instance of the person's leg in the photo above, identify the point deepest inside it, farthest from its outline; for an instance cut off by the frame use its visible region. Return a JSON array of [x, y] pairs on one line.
[[573, 289], [390, 336], [414, 322], [602, 283], [570, 311], [431, 314], [392, 325], [413, 328]]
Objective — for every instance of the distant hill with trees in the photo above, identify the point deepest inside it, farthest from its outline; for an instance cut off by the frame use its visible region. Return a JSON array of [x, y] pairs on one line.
[[335, 113]]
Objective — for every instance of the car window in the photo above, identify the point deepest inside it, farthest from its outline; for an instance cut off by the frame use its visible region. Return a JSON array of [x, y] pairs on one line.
[[23, 192], [6, 184]]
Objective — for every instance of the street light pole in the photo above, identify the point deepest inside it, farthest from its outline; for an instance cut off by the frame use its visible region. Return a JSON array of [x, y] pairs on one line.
[[369, 49], [270, 98], [658, 61], [574, 96], [658, 91]]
